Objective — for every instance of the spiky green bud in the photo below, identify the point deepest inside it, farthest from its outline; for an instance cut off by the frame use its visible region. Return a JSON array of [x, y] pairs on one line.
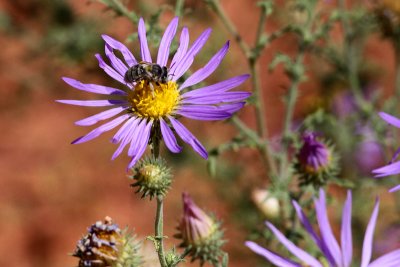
[[152, 176]]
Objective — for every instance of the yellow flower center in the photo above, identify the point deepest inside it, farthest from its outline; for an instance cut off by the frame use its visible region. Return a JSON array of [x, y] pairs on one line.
[[153, 101]]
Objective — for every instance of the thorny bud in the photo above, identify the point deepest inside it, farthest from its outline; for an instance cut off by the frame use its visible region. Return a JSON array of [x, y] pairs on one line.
[[201, 234], [316, 161], [106, 245], [152, 176]]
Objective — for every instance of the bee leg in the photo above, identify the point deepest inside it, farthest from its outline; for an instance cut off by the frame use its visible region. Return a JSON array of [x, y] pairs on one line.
[[152, 89]]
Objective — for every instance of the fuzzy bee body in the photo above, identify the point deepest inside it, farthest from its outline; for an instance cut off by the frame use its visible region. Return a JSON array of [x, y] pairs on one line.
[[146, 71]]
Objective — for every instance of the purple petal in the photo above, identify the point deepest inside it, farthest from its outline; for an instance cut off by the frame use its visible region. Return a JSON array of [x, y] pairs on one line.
[[144, 47], [102, 129], [346, 237], [169, 138], [169, 34], [124, 130], [128, 56], [93, 103], [368, 237], [394, 189], [390, 119], [232, 108], [110, 71], [218, 87], [317, 240], [387, 170], [206, 113], [325, 228], [117, 64], [144, 139], [188, 137], [138, 132], [209, 68], [184, 64], [183, 46], [93, 88], [100, 116], [126, 136], [272, 257], [298, 252], [217, 98], [391, 259]]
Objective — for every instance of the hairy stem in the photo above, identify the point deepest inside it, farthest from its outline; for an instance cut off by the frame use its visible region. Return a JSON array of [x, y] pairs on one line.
[[160, 200], [159, 231], [120, 9], [179, 7], [252, 55], [351, 56]]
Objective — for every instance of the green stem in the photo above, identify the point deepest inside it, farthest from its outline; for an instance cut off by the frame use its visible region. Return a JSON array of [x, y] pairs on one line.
[[216, 6], [351, 56], [252, 59], [120, 9], [159, 235], [159, 231], [179, 7], [290, 106]]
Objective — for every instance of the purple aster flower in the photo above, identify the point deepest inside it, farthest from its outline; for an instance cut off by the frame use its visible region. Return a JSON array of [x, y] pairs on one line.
[[393, 167], [145, 107], [335, 255]]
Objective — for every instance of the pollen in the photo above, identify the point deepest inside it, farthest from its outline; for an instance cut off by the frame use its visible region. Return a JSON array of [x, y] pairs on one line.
[[153, 101]]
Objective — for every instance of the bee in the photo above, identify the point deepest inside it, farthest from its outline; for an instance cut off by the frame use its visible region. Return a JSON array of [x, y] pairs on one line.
[[146, 71]]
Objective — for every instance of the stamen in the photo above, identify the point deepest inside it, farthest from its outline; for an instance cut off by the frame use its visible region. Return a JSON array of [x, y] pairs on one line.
[[154, 100]]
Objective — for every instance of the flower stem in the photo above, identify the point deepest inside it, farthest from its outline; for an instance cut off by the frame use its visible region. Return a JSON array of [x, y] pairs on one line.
[[158, 227], [351, 56], [159, 231], [179, 7], [120, 9], [252, 56]]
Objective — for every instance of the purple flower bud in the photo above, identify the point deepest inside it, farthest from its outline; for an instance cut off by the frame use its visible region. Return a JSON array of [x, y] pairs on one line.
[[314, 155], [201, 235], [195, 225]]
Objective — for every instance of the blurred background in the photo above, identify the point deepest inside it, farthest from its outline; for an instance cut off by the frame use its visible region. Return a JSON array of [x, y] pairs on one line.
[[51, 191]]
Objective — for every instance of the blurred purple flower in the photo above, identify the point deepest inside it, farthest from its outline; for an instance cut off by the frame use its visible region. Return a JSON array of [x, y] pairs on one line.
[[335, 255], [368, 146], [143, 106], [393, 167]]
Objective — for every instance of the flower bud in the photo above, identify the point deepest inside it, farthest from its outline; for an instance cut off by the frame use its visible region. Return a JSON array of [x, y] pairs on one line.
[[201, 234], [152, 176], [316, 161], [266, 203], [106, 245]]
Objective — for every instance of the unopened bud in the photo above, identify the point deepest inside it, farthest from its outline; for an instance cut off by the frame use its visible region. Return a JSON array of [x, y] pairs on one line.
[[201, 234], [153, 177], [316, 161], [266, 203]]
